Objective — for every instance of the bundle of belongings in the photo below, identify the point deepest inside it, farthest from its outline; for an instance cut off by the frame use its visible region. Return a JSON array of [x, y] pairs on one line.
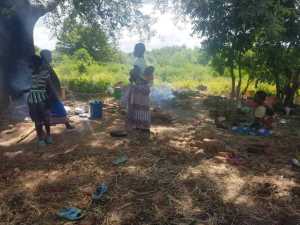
[[263, 107], [263, 116]]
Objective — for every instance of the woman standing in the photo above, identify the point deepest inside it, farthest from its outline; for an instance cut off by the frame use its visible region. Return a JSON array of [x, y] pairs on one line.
[[138, 116]]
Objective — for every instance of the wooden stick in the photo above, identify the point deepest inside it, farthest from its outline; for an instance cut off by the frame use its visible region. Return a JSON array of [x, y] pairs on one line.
[[22, 138]]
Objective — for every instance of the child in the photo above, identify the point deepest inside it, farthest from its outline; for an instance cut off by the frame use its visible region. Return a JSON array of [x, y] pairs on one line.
[[146, 77], [38, 100], [149, 75], [263, 112]]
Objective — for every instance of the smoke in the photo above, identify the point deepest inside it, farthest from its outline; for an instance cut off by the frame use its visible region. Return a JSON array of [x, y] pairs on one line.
[[161, 94]]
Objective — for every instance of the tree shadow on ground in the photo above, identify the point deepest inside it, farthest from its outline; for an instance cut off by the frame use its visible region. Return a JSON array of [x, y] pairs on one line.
[[179, 176], [161, 184]]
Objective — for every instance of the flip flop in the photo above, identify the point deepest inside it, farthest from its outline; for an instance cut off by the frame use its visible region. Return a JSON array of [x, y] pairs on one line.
[[118, 133], [71, 214], [41, 143], [264, 132], [100, 191], [295, 163], [120, 160], [49, 141]]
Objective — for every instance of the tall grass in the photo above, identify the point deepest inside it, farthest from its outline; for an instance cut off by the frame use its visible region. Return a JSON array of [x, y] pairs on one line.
[[93, 77]]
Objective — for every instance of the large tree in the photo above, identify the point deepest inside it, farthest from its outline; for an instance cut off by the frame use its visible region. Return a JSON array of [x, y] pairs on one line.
[[18, 18], [227, 27], [74, 36], [233, 28]]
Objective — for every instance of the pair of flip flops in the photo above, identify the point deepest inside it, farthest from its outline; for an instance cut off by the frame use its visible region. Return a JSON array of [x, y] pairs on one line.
[[75, 214], [47, 141], [71, 214]]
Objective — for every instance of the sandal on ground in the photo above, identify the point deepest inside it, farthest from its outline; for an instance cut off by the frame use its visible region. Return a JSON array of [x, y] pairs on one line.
[[49, 140], [119, 133], [120, 160], [41, 143], [100, 191], [71, 214]]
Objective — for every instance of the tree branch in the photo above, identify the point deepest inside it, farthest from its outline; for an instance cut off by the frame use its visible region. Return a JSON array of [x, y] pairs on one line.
[[41, 7]]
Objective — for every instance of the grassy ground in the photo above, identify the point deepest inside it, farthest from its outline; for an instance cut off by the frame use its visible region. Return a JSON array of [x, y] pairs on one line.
[[183, 174], [97, 78]]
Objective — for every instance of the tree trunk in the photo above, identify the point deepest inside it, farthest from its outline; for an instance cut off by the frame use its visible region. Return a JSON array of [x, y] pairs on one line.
[[256, 83], [239, 85], [17, 49], [278, 88], [291, 91], [3, 94], [233, 94], [249, 81], [17, 21]]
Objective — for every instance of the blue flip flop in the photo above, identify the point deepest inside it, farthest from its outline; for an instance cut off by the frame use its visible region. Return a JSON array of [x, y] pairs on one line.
[[100, 191], [120, 160], [71, 214]]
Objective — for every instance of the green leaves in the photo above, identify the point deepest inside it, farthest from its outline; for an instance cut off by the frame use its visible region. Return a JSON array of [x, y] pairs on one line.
[[74, 38], [261, 37], [109, 15]]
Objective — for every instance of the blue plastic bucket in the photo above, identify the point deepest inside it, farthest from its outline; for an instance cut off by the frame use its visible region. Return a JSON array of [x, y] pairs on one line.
[[96, 109]]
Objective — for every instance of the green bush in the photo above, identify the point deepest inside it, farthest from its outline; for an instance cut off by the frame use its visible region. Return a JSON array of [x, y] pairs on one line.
[[179, 69], [94, 79]]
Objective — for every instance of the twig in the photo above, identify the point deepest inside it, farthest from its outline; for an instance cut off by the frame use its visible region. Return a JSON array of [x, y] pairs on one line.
[[22, 138]]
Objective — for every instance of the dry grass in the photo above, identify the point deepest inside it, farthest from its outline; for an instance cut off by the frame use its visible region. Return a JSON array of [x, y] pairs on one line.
[[181, 175]]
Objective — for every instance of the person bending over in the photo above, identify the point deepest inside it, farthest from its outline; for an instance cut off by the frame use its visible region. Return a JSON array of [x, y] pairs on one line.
[[58, 113], [38, 101]]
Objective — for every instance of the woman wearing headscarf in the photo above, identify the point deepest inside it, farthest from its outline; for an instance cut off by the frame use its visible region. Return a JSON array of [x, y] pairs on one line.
[[138, 115]]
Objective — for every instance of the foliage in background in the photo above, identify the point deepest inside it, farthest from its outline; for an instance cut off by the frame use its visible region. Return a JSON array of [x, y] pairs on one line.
[[255, 39], [109, 15], [75, 36], [179, 67], [90, 77]]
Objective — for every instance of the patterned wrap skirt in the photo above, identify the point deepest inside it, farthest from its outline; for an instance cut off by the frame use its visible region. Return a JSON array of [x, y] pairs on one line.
[[138, 115], [39, 112]]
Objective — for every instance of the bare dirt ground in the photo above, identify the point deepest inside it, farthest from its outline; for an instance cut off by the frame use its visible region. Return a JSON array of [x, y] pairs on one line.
[[187, 173]]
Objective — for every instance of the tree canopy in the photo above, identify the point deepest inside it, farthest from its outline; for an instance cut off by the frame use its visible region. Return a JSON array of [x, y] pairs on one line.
[[261, 37], [110, 15], [74, 36]]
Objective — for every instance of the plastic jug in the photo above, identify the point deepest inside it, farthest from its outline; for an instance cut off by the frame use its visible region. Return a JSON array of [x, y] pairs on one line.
[[96, 109]]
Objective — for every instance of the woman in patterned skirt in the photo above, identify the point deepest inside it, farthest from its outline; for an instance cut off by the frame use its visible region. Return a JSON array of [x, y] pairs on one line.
[[58, 114], [138, 115], [38, 100]]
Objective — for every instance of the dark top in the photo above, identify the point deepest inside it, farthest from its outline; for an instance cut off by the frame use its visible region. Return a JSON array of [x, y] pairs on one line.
[[55, 81], [55, 91]]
